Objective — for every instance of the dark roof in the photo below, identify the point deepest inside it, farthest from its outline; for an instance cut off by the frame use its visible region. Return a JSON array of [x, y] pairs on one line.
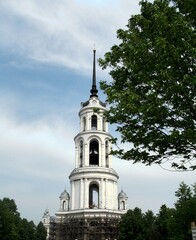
[[84, 104]]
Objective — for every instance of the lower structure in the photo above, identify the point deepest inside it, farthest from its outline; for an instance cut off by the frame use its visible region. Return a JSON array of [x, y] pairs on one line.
[[88, 225]]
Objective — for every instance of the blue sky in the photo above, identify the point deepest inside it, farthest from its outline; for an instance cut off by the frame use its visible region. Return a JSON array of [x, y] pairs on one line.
[[45, 73]]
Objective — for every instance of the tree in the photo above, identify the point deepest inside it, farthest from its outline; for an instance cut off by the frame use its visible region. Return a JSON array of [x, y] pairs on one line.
[[13, 227], [168, 224], [132, 225], [150, 229], [165, 222], [27, 230], [185, 211], [9, 218], [41, 232], [152, 93], [136, 225]]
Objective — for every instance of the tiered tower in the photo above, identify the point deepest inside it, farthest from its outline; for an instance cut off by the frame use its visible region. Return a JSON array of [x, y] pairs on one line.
[[93, 208]]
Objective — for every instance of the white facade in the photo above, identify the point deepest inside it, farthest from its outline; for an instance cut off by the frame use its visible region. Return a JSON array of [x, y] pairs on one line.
[[93, 181]]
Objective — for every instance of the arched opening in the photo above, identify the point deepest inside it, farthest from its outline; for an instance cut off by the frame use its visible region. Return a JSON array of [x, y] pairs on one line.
[[84, 123], [122, 205], [94, 153], [94, 122], [107, 153], [103, 124], [64, 205], [81, 153], [93, 196]]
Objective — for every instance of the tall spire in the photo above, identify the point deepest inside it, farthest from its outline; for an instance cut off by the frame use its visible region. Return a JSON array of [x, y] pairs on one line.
[[94, 90]]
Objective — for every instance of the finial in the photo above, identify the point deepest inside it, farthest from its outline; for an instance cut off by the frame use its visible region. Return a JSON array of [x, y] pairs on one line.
[[94, 90]]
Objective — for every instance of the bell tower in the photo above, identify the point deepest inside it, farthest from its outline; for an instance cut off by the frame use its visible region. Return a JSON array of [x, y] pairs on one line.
[[93, 208]]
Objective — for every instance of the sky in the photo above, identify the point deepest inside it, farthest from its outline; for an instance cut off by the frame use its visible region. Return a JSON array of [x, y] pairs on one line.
[[46, 53]]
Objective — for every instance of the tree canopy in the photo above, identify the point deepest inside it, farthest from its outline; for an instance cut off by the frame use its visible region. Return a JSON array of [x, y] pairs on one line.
[[152, 93], [168, 224], [13, 227]]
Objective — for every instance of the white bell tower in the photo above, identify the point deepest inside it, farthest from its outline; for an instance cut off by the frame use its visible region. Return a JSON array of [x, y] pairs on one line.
[[94, 183]]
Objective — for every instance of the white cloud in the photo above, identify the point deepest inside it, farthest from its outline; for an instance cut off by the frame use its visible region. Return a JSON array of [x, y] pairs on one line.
[[37, 150], [26, 143], [36, 159], [62, 32]]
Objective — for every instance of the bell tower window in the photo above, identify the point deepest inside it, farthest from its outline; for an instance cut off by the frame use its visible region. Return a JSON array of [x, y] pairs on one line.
[[94, 153], [94, 122], [107, 153], [122, 205], [84, 123], [104, 124], [93, 196], [81, 153]]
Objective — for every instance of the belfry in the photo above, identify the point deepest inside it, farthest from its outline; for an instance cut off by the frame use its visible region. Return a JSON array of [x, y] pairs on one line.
[[93, 208]]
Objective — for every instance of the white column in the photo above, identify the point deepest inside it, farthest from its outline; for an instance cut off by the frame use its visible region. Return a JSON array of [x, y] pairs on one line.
[[86, 194], [86, 155], [106, 126], [81, 193], [113, 195], [88, 122], [109, 156], [72, 195], [98, 123], [116, 195], [103, 155], [76, 156], [101, 194], [81, 123], [106, 193]]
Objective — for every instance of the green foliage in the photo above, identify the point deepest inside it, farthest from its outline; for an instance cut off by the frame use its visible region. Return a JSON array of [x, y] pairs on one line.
[[131, 226], [27, 230], [41, 232], [168, 224], [9, 218], [152, 94], [185, 210], [13, 227], [165, 222], [137, 226]]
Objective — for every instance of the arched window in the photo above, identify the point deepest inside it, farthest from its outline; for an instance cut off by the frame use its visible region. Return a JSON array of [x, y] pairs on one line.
[[103, 124], [84, 123], [93, 196], [65, 205], [94, 122], [81, 153], [122, 205], [94, 152], [107, 153]]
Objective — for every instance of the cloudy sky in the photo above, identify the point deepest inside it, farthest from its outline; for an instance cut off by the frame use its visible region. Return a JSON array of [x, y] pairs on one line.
[[45, 73]]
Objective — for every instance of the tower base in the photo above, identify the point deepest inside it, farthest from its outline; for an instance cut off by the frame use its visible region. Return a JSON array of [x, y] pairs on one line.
[[87, 225]]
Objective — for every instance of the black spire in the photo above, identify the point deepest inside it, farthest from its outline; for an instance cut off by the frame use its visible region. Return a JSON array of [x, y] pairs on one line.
[[94, 90]]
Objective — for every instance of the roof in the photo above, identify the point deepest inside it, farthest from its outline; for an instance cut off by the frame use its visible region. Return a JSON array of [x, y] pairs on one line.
[[122, 194], [64, 195]]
